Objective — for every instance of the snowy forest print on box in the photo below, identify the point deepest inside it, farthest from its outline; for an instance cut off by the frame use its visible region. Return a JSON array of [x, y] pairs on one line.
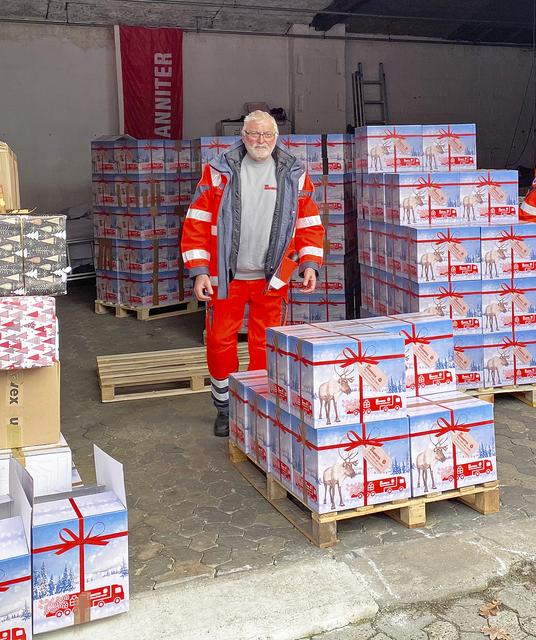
[[15, 581], [58, 577], [351, 376], [335, 477]]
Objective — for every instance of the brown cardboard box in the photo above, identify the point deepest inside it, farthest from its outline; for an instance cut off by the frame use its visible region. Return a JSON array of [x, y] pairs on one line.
[[9, 179], [29, 407]]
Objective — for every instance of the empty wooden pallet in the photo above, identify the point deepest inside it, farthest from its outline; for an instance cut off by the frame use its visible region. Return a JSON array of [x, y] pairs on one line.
[[149, 313], [159, 374]]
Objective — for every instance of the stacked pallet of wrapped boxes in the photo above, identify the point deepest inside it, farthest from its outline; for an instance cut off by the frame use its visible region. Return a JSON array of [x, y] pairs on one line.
[[329, 163], [441, 237], [338, 420], [141, 192]]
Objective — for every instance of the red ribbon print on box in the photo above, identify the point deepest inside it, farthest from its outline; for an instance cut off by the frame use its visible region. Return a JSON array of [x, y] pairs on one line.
[[70, 539], [416, 339], [349, 358], [4, 586]]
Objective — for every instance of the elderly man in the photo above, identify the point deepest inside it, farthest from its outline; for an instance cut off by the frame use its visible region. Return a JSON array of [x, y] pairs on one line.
[[252, 221]]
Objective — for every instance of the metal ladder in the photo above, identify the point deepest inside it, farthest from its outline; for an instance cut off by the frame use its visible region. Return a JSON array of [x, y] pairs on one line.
[[364, 102]]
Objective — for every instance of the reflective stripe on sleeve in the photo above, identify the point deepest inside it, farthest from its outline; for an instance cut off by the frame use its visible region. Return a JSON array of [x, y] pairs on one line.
[[199, 214], [310, 221], [195, 254], [311, 251]]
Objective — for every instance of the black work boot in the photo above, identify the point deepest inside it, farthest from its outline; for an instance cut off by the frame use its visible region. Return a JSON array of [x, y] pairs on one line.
[[221, 425]]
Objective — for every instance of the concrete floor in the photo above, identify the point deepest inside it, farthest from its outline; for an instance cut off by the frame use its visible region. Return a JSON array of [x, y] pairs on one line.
[[191, 513]]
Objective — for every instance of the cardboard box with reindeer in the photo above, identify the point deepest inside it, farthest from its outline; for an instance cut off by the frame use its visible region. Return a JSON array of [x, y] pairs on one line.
[[459, 301], [345, 377], [489, 196], [469, 360], [498, 364], [470, 421], [444, 254], [429, 351], [423, 199], [522, 354], [457, 445], [509, 358], [344, 467], [508, 304], [389, 148], [449, 147], [508, 251]]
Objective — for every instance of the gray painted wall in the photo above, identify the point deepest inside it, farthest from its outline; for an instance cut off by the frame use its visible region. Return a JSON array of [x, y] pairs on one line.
[[58, 90]]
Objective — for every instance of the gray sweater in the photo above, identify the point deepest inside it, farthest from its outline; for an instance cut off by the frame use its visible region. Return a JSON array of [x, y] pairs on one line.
[[258, 196]]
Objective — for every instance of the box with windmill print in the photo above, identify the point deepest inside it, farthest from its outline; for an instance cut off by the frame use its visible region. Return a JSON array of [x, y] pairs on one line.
[[33, 255]]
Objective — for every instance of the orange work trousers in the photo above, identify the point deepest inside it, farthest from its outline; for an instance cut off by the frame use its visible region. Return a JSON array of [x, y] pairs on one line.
[[224, 319]]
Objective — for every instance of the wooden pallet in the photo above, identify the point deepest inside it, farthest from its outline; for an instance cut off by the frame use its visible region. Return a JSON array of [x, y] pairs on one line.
[[321, 529], [180, 371], [524, 392], [149, 313]]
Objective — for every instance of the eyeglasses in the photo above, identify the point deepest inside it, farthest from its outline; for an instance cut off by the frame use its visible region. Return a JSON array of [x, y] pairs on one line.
[[257, 135]]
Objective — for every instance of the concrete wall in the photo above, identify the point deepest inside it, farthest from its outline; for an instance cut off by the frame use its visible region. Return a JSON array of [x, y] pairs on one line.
[[222, 72], [436, 84], [58, 90]]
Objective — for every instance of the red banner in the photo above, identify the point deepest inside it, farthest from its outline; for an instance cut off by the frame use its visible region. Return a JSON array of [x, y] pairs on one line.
[[151, 68]]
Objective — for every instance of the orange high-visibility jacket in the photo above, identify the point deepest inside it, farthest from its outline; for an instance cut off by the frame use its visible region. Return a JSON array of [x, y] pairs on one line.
[[527, 209], [211, 232]]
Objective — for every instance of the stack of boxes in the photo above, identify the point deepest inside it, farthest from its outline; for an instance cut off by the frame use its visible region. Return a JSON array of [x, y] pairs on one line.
[[330, 164], [440, 237], [362, 412], [141, 192], [53, 570]]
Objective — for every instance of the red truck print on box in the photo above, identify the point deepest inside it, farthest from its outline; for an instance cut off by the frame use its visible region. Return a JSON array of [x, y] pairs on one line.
[[13, 634]]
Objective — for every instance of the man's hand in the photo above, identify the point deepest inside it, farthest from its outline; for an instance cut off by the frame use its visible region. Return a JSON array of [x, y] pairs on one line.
[[202, 288], [309, 281]]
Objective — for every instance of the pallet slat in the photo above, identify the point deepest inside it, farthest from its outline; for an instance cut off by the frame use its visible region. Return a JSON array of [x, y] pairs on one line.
[[148, 313], [321, 529], [121, 375], [524, 392]]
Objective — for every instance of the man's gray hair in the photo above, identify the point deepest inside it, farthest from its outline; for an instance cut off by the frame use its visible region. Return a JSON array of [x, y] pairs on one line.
[[259, 116]]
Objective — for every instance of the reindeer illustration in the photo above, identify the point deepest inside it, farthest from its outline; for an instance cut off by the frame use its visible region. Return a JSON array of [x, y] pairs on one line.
[[428, 260], [468, 202], [409, 204], [490, 260], [426, 461], [436, 309], [491, 311], [376, 154], [493, 368], [335, 475], [430, 155], [330, 391]]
